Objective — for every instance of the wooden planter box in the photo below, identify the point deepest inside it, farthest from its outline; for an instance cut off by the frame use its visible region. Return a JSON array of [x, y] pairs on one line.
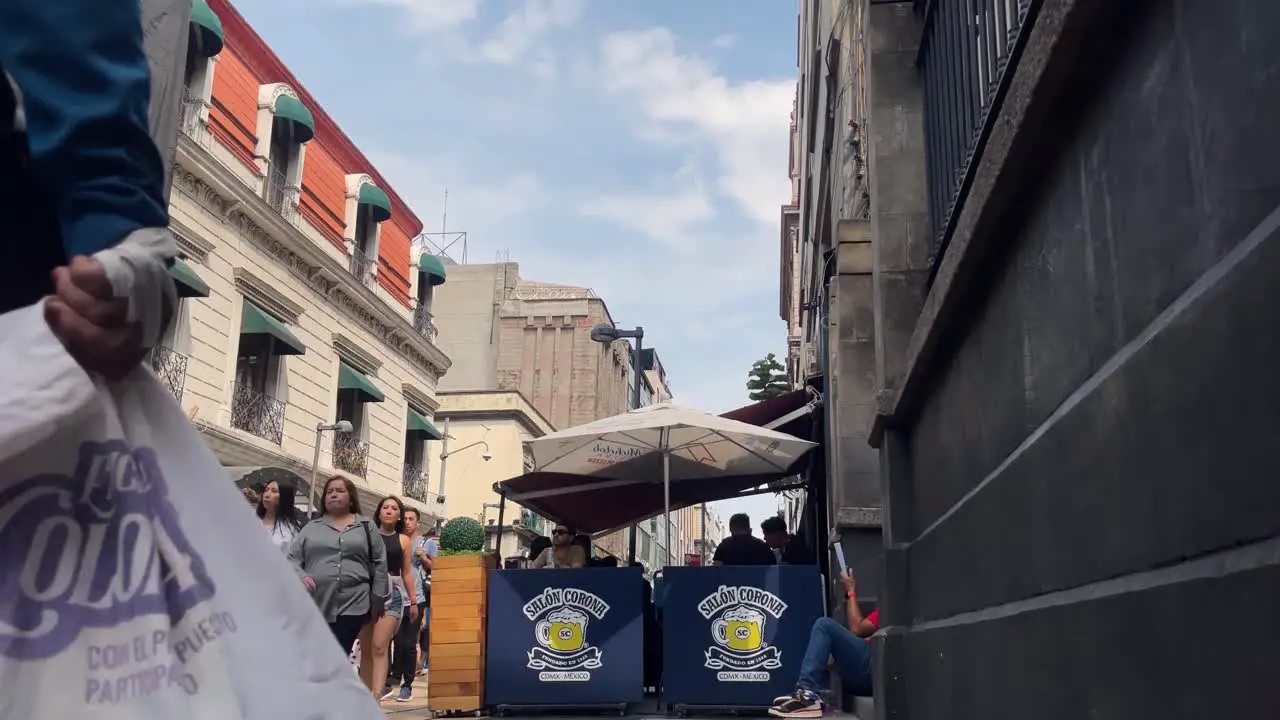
[[458, 604]]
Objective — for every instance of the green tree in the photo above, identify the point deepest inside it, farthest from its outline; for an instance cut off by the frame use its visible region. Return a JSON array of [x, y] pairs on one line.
[[767, 378]]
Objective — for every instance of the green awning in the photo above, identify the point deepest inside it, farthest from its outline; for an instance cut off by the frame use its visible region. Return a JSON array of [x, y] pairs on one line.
[[207, 29], [255, 321], [431, 266], [378, 202], [417, 424], [187, 281], [351, 379], [291, 108]]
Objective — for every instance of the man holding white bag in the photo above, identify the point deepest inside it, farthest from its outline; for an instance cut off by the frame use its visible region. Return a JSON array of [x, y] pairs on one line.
[[128, 595]]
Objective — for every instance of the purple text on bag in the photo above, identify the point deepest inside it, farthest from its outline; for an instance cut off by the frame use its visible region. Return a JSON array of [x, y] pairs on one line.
[[94, 549]]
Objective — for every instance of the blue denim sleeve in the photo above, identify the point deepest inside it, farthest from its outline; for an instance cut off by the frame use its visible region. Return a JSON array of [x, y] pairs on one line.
[[86, 85]]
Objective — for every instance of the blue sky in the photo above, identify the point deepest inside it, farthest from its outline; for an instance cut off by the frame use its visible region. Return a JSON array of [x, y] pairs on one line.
[[637, 147]]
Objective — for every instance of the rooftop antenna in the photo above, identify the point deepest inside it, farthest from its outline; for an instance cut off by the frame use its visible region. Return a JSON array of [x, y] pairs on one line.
[[441, 242]]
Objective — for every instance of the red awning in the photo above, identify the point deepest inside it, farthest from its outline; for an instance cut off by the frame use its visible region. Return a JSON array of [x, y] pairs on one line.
[[785, 413]]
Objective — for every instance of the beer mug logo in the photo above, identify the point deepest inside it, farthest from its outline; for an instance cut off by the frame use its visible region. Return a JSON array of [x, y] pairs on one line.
[[738, 622], [740, 629], [561, 618], [563, 630]]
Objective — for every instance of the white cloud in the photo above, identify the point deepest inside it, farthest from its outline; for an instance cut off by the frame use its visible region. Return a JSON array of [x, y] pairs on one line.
[[526, 26], [745, 122], [434, 16], [724, 42]]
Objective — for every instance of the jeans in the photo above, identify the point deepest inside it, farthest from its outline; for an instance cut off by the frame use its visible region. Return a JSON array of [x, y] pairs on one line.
[[404, 649], [853, 659]]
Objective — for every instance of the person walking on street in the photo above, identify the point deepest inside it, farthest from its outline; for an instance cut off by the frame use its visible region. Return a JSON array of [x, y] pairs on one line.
[[430, 548], [343, 563], [404, 648], [827, 640], [375, 642], [741, 547]]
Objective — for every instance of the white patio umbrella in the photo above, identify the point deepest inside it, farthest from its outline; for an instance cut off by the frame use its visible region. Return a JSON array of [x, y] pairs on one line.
[[690, 444]]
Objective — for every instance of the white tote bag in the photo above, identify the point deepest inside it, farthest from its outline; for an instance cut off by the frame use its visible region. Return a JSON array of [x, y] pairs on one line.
[[133, 582]]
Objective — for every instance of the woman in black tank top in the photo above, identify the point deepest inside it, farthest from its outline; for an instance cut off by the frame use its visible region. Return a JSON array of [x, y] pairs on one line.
[[375, 654]]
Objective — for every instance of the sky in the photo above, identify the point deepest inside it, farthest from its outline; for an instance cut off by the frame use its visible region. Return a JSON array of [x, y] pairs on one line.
[[636, 147]]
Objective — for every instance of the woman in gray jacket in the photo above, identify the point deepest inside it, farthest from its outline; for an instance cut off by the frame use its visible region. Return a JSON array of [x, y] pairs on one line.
[[343, 563]]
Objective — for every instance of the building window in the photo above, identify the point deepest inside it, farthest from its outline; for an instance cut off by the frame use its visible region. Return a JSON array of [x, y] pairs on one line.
[[285, 125], [367, 207], [204, 42], [355, 389], [257, 405]]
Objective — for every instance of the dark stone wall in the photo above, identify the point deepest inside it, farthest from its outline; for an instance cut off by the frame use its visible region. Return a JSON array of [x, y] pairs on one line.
[[1095, 505]]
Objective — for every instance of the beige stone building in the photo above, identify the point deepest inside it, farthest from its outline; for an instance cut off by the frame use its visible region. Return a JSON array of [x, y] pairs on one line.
[[301, 307], [486, 432], [504, 332]]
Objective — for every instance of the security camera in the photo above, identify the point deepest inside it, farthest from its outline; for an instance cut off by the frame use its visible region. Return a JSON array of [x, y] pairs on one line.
[[439, 499], [486, 457]]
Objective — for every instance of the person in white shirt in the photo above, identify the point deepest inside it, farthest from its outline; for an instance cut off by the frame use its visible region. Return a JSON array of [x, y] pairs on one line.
[[278, 515]]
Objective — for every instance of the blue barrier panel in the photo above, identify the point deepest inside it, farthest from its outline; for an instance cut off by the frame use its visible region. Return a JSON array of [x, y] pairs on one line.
[[564, 637], [734, 636]]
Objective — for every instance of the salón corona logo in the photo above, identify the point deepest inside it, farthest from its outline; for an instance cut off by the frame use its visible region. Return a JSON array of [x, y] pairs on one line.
[[738, 615], [560, 618]]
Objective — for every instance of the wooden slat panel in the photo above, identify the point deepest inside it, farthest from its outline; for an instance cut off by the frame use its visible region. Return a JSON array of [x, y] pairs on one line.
[[464, 636], [471, 662], [458, 606], [449, 562], [473, 675], [457, 584], [456, 624], [442, 579], [451, 650], [454, 703]]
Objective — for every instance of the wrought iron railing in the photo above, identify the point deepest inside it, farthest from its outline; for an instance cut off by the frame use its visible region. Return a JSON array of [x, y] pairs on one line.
[[280, 194], [967, 51], [424, 322], [195, 112], [256, 412], [350, 454], [361, 266], [170, 367], [533, 522], [415, 483]]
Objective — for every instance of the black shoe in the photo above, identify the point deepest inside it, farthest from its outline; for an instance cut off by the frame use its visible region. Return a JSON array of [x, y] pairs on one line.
[[800, 705]]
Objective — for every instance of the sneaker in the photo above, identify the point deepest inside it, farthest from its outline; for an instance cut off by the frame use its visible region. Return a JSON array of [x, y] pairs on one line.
[[388, 693], [406, 694], [799, 705]]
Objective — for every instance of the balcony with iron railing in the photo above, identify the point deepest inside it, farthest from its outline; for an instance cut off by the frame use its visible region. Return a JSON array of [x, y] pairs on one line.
[[170, 368], [415, 483], [280, 194], [195, 114], [361, 266], [967, 53], [424, 322], [350, 454], [253, 411]]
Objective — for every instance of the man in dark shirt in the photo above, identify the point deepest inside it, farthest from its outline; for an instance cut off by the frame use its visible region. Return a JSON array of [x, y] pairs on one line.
[[791, 549], [741, 547]]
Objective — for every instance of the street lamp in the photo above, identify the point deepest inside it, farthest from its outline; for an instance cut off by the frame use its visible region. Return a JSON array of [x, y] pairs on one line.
[[340, 426], [607, 334], [446, 453]]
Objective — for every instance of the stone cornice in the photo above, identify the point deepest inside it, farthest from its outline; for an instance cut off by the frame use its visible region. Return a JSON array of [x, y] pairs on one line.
[[219, 191], [267, 297], [416, 396], [358, 357], [190, 243]]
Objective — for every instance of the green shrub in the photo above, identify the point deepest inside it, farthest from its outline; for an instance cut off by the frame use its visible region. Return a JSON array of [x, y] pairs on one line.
[[462, 535]]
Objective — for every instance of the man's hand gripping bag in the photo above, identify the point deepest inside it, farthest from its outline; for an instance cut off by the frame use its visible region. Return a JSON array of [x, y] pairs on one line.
[[134, 582]]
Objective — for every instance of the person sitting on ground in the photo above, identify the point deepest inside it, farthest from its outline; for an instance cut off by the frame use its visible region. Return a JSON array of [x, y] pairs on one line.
[[563, 553], [790, 549], [829, 639], [741, 547]]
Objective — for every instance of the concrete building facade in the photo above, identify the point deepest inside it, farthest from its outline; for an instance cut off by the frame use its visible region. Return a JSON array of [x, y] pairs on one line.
[[508, 333], [295, 279], [1037, 238]]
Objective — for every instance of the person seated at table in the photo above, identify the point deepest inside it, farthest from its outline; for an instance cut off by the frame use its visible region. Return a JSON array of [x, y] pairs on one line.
[[741, 547], [790, 549], [563, 553], [829, 639]]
